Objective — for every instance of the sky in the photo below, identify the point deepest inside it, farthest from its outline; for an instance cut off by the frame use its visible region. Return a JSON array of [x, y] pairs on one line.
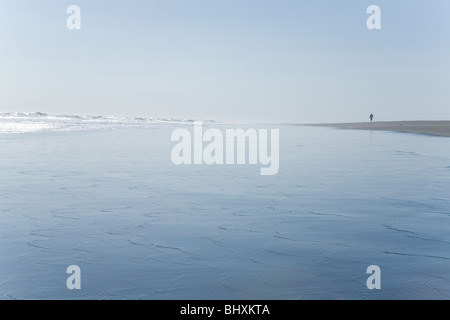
[[242, 60]]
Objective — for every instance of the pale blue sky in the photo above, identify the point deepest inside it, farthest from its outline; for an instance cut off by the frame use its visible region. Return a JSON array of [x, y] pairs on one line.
[[254, 60]]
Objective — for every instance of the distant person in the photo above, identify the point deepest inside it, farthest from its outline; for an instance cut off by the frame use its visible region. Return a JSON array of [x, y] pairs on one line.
[[371, 117]]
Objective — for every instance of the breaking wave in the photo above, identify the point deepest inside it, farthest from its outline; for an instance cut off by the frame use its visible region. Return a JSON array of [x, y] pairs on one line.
[[19, 122]]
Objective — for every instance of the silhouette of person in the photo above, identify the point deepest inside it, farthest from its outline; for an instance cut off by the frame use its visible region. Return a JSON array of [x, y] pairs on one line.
[[371, 117]]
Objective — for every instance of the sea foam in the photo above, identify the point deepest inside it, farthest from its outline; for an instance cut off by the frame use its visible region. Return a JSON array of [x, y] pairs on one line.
[[20, 122]]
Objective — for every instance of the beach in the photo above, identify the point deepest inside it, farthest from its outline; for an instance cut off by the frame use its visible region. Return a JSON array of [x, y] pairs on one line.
[[436, 128], [108, 199]]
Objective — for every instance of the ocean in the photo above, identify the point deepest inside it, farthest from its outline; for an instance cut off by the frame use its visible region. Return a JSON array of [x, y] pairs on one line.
[[102, 193]]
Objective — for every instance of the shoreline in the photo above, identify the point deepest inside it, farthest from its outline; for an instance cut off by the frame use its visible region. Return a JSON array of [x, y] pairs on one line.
[[434, 128]]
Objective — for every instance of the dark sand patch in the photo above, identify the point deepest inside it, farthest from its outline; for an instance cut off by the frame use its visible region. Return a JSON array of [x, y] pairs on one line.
[[436, 128]]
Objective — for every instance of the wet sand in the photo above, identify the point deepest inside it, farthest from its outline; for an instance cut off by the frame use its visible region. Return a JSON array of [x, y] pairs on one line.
[[111, 201], [436, 128]]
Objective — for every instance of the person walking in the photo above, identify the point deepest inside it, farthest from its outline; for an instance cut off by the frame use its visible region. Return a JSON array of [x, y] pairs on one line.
[[371, 117]]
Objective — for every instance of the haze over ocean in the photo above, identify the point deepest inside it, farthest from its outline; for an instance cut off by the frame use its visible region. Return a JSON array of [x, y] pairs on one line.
[[266, 61]]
